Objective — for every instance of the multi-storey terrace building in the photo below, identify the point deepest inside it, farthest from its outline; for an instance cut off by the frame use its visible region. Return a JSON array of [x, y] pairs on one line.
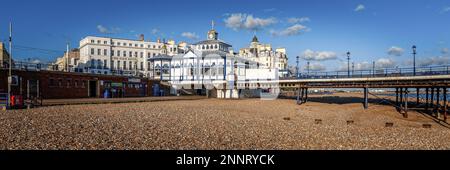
[[102, 55]]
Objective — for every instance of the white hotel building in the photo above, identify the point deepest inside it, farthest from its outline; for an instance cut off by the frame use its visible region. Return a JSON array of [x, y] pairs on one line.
[[101, 55]]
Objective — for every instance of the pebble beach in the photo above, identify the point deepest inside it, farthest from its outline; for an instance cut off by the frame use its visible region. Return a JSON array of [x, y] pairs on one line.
[[213, 124]]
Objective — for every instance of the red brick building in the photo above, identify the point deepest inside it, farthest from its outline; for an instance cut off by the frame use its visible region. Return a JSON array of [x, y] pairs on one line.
[[58, 85]]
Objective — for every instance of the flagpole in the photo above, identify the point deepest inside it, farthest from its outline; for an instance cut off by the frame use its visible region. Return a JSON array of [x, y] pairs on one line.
[[10, 65], [67, 58]]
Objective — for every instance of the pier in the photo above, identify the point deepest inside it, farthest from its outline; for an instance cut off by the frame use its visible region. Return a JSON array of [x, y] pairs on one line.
[[433, 81]]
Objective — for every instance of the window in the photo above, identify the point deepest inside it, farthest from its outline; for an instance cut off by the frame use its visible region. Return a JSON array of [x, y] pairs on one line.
[[135, 54], [60, 82], [142, 45], [118, 65], [112, 64], [105, 42], [130, 45], [131, 65], [142, 54], [105, 52], [135, 45], [98, 41], [92, 41], [99, 51], [149, 55], [68, 83], [92, 51], [124, 65], [124, 53], [92, 63], [118, 53], [104, 64], [118, 43], [76, 84], [112, 43], [165, 69], [142, 65], [112, 52], [154, 54], [148, 66], [51, 82], [99, 64], [131, 54], [154, 46]]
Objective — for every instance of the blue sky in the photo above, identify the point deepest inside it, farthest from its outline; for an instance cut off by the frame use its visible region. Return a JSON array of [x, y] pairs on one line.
[[321, 31]]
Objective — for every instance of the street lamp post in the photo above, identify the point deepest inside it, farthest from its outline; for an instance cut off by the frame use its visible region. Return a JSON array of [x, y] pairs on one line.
[[8, 105], [348, 64], [297, 67], [308, 68], [353, 68], [414, 59], [373, 68]]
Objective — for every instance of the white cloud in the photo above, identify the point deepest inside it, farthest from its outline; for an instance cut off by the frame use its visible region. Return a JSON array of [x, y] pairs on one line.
[[239, 21], [190, 35], [314, 67], [293, 30], [446, 9], [395, 51], [380, 63], [360, 7], [311, 55], [34, 61], [298, 20], [105, 30], [155, 31], [270, 10], [444, 50], [385, 63], [439, 60]]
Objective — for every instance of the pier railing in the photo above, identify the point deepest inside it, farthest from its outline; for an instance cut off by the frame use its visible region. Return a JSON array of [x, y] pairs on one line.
[[384, 72], [379, 72]]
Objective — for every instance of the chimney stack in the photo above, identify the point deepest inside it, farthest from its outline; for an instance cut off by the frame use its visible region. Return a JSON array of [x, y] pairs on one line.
[[141, 37]]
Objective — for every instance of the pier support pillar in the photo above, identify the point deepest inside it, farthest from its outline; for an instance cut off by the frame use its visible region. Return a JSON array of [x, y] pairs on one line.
[[306, 95], [366, 98], [302, 96], [437, 106], [417, 96], [445, 103], [432, 99], [401, 98], [426, 99], [396, 96], [298, 95], [406, 103]]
